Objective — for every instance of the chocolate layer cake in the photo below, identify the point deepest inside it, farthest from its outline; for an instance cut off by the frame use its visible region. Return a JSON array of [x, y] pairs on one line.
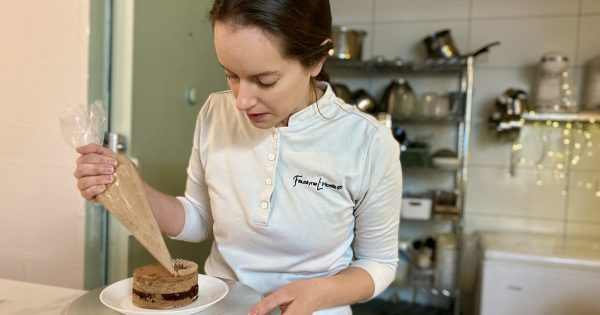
[[154, 287]]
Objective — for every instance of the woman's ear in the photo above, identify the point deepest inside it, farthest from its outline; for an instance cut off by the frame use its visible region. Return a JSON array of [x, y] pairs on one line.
[[317, 67]]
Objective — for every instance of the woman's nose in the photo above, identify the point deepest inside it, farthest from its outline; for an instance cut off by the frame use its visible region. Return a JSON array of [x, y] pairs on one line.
[[245, 99]]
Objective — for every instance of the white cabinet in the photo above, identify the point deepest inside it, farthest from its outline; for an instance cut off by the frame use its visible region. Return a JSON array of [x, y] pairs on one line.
[[555, 280], [517, 288]]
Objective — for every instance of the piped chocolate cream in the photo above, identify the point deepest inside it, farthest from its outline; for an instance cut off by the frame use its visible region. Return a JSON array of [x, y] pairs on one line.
[[155, 288]]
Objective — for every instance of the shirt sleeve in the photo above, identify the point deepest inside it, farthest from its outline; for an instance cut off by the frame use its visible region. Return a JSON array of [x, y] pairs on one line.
[[378, 211], [196, 204]]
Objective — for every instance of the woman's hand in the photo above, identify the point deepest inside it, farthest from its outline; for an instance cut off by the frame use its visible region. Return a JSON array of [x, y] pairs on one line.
[[297, 298], [94, 170], [305, 297]]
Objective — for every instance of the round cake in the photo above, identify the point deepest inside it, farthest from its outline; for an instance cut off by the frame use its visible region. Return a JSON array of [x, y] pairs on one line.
[[154, 287]]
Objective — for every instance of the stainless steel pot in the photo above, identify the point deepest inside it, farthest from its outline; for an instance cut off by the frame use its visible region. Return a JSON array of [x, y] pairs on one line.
[[347, 43], [364, 101], [398, 99], [441, 45]]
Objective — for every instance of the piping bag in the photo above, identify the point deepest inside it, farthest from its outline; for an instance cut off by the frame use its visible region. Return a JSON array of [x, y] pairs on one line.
[[125, 198]]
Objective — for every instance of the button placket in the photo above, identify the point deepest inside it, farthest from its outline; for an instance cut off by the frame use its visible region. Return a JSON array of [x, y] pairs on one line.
[[261, 216]]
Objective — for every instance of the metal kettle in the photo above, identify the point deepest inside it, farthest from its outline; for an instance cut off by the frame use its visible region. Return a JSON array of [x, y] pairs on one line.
[[364, 101], [398, 99]]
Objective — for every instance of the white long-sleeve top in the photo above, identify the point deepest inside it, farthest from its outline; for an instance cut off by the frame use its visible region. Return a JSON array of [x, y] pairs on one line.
[[297, 202]]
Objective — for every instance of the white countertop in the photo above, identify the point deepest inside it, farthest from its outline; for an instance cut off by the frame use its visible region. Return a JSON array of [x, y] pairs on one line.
[[18, 297], [542, 249]]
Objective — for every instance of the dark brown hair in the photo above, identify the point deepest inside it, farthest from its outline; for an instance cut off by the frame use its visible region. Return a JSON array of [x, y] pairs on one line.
[[301, 27]]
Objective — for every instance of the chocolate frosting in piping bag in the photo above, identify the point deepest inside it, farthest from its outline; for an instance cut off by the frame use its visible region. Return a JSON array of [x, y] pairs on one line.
[[126, 200]]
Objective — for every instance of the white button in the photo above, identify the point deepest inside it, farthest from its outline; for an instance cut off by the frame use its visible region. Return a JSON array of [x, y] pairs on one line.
[[263, 205], [271, 157], [268, 181], [275, 136]]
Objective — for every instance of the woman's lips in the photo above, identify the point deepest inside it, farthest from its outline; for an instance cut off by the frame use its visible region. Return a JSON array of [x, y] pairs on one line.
[[257, 117]]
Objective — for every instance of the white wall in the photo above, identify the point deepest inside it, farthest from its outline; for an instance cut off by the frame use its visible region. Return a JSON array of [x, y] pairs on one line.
[[526, 29], [43, 70]]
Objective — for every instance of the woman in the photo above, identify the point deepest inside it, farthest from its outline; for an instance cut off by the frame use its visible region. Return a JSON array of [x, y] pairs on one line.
[[301, 191]]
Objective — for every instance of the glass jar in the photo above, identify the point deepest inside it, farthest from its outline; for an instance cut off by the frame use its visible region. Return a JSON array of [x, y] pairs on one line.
[[554, 88]]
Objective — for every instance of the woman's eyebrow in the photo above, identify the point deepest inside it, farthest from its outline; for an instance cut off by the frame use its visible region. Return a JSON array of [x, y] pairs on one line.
[[265, 73]]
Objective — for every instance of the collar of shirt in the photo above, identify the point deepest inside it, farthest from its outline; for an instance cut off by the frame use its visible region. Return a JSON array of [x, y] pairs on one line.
[[325, 107]]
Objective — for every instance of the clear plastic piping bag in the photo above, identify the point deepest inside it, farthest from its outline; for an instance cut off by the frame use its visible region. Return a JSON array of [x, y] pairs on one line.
[[83, 124], [125, 198]]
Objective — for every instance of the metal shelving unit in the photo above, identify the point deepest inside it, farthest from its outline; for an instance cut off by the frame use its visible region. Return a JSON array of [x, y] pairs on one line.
[[584, 117], [377, 67], [463, 68]]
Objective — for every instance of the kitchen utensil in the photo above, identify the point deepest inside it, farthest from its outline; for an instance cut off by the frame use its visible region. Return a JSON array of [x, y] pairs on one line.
[[484, 49], [342, 91], [126, 200], [428, 103], [456, 100], [444, 202], [347, 43], [441, 107], [398, 99], [592, 91], [554, 89], [514, 102], [364, 101], [446, 259], [510, 106], [441, 45], [125, 197]]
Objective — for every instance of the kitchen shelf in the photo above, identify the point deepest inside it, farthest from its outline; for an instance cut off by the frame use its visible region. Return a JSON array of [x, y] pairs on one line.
[[421, 281], [417, 159], [586, 117], [435, 218], [454, 65], [451, 119], [430, 168]]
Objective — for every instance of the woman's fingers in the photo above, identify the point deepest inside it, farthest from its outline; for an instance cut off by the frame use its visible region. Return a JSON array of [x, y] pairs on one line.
[[270, 302], [84, 170], [91, 192], [91, 186], [87, 182], [94, 158], [95, 169]]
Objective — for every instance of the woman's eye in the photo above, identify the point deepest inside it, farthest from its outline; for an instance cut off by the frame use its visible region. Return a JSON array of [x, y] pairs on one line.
[[266, 85], [231, 77]]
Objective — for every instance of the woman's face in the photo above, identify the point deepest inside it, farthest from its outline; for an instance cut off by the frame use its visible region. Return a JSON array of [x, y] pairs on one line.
[[268, 87]]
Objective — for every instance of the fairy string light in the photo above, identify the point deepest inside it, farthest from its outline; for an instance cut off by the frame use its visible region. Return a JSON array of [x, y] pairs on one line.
[[575, 144]]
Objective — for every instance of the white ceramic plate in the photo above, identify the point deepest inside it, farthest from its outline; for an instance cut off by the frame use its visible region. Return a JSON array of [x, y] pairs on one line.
[[118, 297]]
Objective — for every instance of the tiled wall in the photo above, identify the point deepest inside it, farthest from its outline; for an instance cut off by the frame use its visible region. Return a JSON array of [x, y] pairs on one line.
[[526, 29], [43, 69]]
